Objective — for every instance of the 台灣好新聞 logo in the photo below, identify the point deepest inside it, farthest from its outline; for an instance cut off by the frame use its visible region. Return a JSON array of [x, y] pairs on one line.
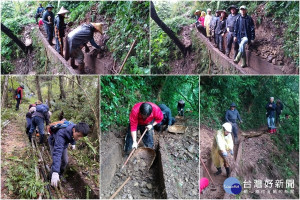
[[232, 186]]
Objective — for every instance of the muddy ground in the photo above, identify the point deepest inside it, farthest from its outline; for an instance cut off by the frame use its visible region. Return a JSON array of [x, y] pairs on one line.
[[253, 159], [174, 173]]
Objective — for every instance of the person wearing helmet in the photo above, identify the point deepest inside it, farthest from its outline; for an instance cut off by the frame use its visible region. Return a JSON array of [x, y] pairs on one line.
[[144, 115], [77, 39], [19, 96], [59, 29], [221, 145], [48, 21], [231, 116]]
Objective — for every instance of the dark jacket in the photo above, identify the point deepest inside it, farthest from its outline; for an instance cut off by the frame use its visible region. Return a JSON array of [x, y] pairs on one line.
[[220, 27], [232, 116], [230, 22], [45, 18], [271, 110], [167, 113], [279, 108], [60, 141], [60, 25], [44, 116], [80, 36], [40, 10], [249, 26], [213, 23], [28, 119]]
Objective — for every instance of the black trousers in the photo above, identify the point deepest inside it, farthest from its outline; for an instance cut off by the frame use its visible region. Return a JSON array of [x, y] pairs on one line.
[[18, 104]]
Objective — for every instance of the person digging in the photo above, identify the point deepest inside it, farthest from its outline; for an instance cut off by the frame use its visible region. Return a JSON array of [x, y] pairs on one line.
[[144, 115], [77, 39], [221, 145], [59, 142]]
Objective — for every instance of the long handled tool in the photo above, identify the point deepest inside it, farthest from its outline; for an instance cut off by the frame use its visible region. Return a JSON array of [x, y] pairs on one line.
[[133, 149], [207, 171], [119, 189]]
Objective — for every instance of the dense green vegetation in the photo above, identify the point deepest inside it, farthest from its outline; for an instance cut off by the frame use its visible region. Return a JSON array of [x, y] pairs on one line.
[[178, 14], [251, 94], [119, 94], [128, 21], [67, 94]]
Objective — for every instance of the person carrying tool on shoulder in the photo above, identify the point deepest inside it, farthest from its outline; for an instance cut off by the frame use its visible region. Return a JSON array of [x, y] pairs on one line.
[[59, 142], [144, 115], [59, 29], [77, 39], [231, 116], [221, 145]]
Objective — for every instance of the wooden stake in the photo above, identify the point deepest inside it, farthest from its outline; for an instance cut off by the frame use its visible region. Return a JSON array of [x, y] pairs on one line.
[[131, 48], [119, 189]]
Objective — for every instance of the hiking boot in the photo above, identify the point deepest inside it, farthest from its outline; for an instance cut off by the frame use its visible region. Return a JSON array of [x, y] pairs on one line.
[[219, 171], [236, 141], [227, 171], [244, 64], [81, 68], [227, 54], [72, 63], [238, 58]]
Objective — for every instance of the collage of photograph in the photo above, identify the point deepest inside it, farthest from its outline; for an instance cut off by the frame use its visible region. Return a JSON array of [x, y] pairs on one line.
[[162, 99]]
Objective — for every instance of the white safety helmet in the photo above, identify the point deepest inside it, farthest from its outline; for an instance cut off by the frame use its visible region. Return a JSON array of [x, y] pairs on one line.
[[228, 127]]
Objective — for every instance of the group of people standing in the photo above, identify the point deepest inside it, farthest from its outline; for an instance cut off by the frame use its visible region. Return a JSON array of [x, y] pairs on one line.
[[76, 39], [224, 141], [238, 28]]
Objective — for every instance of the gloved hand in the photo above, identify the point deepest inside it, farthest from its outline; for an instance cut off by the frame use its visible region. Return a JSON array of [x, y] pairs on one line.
[[54, 179], [73, 147], [149, 127], [224, 153], [134, 145], [231, 152]]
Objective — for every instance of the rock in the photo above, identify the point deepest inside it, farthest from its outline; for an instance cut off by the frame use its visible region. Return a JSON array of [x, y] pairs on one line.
[[144, 190], [136, 184], [274, 61], [270, 58], [175, 154], [130, 196], [280, 62], [190, 148], [143, 184], [136, 168], [149, 186]]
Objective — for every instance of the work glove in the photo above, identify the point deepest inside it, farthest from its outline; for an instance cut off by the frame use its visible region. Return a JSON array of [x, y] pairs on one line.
[[149, 127], [54, 179], [73, 147], [231, 152], [134, 145], [224, 153]]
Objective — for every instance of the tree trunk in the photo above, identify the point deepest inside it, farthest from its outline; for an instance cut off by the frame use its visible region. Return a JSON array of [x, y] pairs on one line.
[[12, 36], [49, 90], [4, 93], [62, 90], [167, 30], [38, 88]]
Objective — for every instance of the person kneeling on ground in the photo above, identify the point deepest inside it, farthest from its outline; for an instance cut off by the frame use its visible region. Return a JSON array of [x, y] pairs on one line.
[[77, 39], [144, 115], [221, 144], [59, 142], [167, 120]]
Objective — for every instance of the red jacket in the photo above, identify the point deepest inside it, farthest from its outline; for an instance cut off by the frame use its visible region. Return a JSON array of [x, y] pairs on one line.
[[19, 91], [201, 20], [136, 119]]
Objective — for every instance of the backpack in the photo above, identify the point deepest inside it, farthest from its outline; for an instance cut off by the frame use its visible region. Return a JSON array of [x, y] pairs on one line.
[[17, 94], [42, 108], [55, 126]]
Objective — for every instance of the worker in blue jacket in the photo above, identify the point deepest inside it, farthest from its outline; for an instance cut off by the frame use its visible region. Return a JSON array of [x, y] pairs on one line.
[[271, 111], [59, 143], [167, 120], [232, 116]]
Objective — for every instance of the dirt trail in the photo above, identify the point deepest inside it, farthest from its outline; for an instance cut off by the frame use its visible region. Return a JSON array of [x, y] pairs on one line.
[[254, 160], [174, 173], [13, 144]]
